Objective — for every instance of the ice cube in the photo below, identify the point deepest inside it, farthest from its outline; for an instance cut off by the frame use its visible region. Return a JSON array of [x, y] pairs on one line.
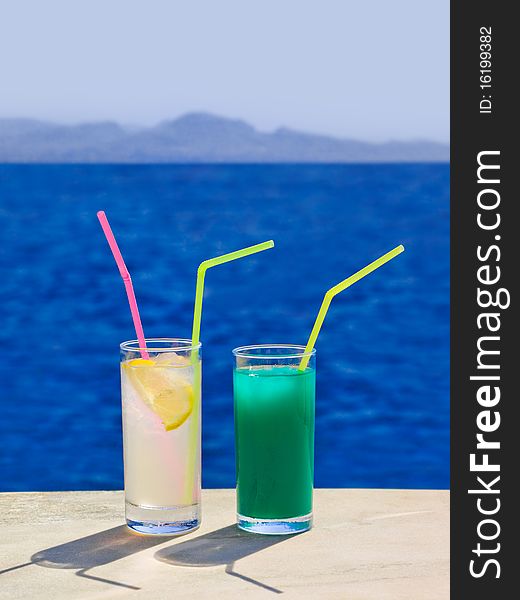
[[171, 359]]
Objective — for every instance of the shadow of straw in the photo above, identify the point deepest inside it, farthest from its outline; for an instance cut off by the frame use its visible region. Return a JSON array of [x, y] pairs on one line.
[[92, 551], [223, 546]]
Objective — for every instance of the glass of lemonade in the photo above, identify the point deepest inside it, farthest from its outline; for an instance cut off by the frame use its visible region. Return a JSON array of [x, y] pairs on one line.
[[274, 436], [161, 397]]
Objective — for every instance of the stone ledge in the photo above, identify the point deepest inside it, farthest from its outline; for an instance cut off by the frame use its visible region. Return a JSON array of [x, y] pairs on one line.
[[365, 545]]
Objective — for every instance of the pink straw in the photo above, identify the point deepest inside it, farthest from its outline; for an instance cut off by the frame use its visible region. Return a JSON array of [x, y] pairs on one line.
[[127, 280]]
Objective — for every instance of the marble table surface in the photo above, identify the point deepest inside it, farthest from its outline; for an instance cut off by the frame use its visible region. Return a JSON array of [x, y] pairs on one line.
[[365, 545]]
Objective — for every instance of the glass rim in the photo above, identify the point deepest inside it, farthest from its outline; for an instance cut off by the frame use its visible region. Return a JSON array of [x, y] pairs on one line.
[[181, 344], [293, 351]]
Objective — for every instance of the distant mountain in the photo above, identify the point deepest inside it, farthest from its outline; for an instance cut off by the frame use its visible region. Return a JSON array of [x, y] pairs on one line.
[[194, 138]]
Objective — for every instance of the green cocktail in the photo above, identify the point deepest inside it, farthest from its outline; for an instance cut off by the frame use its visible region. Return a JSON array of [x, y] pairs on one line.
[[274, 436]]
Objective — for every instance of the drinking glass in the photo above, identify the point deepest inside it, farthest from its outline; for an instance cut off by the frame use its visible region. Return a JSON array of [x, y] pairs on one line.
[[274, 403], [161, 398]]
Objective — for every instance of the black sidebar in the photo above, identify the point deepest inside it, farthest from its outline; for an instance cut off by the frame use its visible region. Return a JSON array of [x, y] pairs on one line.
[[485, 268]]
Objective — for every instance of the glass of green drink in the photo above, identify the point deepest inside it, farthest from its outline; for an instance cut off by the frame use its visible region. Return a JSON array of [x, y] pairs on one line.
[[274, 437]]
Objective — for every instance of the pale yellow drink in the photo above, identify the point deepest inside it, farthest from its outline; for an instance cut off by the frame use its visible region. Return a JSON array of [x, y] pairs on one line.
[[161, 436]]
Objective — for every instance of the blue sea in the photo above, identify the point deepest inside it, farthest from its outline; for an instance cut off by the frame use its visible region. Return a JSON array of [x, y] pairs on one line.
[[382, 414]]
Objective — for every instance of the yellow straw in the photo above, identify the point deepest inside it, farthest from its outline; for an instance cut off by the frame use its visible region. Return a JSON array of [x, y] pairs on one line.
[[343, 285], [201, 273], [195, 338]]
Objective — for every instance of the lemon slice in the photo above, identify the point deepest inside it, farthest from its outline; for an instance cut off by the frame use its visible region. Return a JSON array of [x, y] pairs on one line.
[[167, 394]]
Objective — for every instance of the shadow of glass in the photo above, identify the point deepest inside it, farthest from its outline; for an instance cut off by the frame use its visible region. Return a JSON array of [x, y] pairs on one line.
[[221, 547], [95, 550]]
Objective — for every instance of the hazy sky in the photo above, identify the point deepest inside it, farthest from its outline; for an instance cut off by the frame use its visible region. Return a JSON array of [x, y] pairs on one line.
[[369, 69]]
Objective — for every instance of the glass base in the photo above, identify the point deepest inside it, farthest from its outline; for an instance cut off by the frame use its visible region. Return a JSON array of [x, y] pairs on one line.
[[155, 528], [275, 526], [171, 520]]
